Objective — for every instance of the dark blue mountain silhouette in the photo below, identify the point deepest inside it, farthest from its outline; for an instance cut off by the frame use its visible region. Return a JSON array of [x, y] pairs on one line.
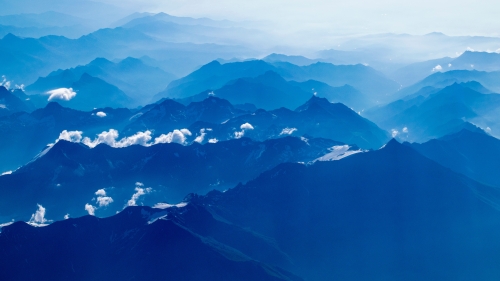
[[128, 244], [67, 175]]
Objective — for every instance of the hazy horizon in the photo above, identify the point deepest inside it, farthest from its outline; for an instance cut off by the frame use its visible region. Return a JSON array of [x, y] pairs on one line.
[[341, 17]]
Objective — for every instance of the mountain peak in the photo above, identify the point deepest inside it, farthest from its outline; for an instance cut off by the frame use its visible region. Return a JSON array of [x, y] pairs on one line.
[[392, 144], [314, 100]]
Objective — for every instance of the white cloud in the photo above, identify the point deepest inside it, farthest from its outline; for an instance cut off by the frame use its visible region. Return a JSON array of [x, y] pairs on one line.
[[437, 68], [101, 114], [139, 191], [3, 106], [243, 127], [246, 126], [104, 201], [65, 94], [6, 173], [141, 138], [238, 135], [90, 209], [110, 138], [288, 131], [394, 133], [5, 83], [177, 136], [201, 137], [186, 132], [449, 65], [100, 192], [405, 130], [470, 49], [66, 216], [72, 136], [38, 218], [214, 140]]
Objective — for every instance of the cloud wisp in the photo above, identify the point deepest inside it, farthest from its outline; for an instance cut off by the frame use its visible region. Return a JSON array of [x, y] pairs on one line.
[[139, 191]]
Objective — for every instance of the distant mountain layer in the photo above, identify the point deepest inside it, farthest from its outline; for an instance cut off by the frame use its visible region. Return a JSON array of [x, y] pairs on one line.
[[215, 75], [65, 177], [271, 91], [317, 118], [26, 59], [84, 92], [136, 79], [474, 154], [469, 60], [14, 101], [432, 113], [25, 135], [443, 79]]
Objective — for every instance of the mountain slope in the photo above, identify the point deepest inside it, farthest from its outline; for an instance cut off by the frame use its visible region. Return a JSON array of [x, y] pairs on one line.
[[137, 80], [474, 154], [66, 176], [439, 112], [25, 135], [12, 102], [317, 118], [125, 245], [392, 212]]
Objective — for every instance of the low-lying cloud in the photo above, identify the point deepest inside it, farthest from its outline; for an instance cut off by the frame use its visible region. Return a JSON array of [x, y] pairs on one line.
[[244, 127], [64, 94], [101, 114], [177, 136], [72, 136]]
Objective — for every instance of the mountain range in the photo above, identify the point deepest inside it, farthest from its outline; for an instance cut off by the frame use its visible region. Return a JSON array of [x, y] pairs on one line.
[[392, 204], [138, 80], [433, 113], [170, 171], [317, 117], [26, 134], [469, 60], [215, 75]]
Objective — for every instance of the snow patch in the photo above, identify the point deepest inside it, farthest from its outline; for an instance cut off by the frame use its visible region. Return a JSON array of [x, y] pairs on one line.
[[338, 152]]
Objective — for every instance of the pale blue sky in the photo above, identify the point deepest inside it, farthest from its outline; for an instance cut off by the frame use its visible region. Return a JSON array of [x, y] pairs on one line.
[[454, 17]]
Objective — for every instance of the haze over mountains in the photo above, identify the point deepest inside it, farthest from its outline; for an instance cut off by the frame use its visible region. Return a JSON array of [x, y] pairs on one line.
[[148, 141]]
